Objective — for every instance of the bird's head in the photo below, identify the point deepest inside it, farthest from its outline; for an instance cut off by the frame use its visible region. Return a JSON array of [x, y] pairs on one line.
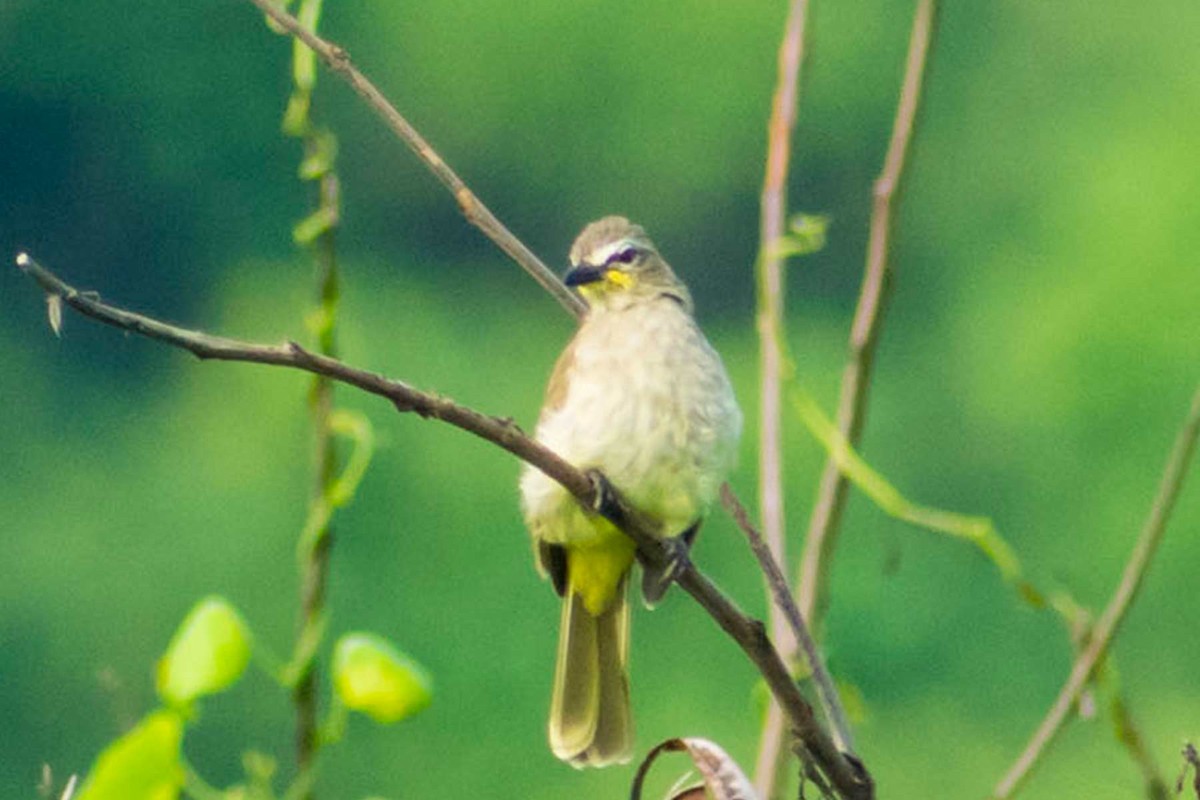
[[614, 265]]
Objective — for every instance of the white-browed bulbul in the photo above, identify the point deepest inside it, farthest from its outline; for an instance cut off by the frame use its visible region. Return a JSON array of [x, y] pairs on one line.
[[640, 396]]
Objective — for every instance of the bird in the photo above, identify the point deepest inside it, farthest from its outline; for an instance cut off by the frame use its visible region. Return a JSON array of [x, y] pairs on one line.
[[639, 396]]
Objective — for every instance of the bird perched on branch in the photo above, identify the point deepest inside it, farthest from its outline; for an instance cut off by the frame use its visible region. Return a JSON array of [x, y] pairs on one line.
[[640, 396]]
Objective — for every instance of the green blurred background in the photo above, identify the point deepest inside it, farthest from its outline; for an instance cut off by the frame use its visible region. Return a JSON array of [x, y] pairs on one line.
[[1037, 361]]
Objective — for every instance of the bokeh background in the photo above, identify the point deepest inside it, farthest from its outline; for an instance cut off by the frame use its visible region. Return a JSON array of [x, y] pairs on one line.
[[1038, 358]]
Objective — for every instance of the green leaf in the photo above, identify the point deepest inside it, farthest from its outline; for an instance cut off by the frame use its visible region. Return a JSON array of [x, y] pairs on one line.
[[144, 764], [208, 653], [312, 226], [321, 152], [372, 677], [295, 117], [807, 233], [307, 644], [304, 60], [357, 428]]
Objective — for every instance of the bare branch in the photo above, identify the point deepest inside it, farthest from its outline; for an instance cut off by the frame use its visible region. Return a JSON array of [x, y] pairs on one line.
[[770, 326], [864, 334], [770, 295], [1114, 613], [823, 526], [479, 215], [848, 777], [826, 691]]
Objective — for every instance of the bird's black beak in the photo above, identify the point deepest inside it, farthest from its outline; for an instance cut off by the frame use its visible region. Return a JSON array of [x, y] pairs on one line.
[[584, 274]]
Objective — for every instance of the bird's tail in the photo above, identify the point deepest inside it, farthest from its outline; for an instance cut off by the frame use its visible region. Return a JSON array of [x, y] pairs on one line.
[[590, 721]]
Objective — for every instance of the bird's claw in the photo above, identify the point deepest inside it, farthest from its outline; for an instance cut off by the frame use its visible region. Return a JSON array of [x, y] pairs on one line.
[[604, 502]]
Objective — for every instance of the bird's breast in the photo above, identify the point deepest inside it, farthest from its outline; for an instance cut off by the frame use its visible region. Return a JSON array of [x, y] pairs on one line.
[[649, 404]]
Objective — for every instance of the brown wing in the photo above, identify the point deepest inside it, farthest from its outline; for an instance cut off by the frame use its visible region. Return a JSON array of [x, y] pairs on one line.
[[556, 388], [552, 558]]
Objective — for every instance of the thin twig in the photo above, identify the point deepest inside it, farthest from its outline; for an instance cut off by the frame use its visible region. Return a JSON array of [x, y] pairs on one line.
[[479, 215], [1106, 628], [1130, 737], [849, 778], [770, 325], [317, 542], [864, 334], [823, 525], [777, 582], [770, 309], [1105, 678]]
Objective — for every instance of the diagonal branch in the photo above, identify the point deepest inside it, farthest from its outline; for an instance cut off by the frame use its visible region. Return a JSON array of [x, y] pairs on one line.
[[1106, 628], [479, 215], [864, 334], [827, 694], [849, 778]]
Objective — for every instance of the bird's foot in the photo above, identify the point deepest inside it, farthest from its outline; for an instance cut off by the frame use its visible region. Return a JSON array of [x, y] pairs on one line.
[[605, 503], [677, 551]]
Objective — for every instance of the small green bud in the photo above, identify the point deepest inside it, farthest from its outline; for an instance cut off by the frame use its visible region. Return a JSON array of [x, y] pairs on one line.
[[372, 677], [208, 653]]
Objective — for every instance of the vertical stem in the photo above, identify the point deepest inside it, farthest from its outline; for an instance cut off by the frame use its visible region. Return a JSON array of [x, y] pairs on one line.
[[770, 324], [315, 559], [320, 236], [864, 335]]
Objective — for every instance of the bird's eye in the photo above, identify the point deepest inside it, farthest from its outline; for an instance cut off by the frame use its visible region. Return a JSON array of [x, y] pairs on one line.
[[626, 256]]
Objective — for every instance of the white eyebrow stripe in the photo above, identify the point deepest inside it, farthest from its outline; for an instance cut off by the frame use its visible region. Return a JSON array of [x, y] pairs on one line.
[[601, 255]]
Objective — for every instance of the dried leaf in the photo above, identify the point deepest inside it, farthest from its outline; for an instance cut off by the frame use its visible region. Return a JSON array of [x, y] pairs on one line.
[[723, 778], [54, 304]]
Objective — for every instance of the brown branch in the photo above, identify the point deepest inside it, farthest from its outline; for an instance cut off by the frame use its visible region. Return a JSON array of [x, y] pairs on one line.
[[848, 777], [770, 307], [770, 325], [864, 334], [826, 515], [479, 215], [786, 603], [1114, 613]]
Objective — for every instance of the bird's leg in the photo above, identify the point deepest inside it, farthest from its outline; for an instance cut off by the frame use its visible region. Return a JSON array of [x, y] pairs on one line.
[[677, 552], [657, 577]]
